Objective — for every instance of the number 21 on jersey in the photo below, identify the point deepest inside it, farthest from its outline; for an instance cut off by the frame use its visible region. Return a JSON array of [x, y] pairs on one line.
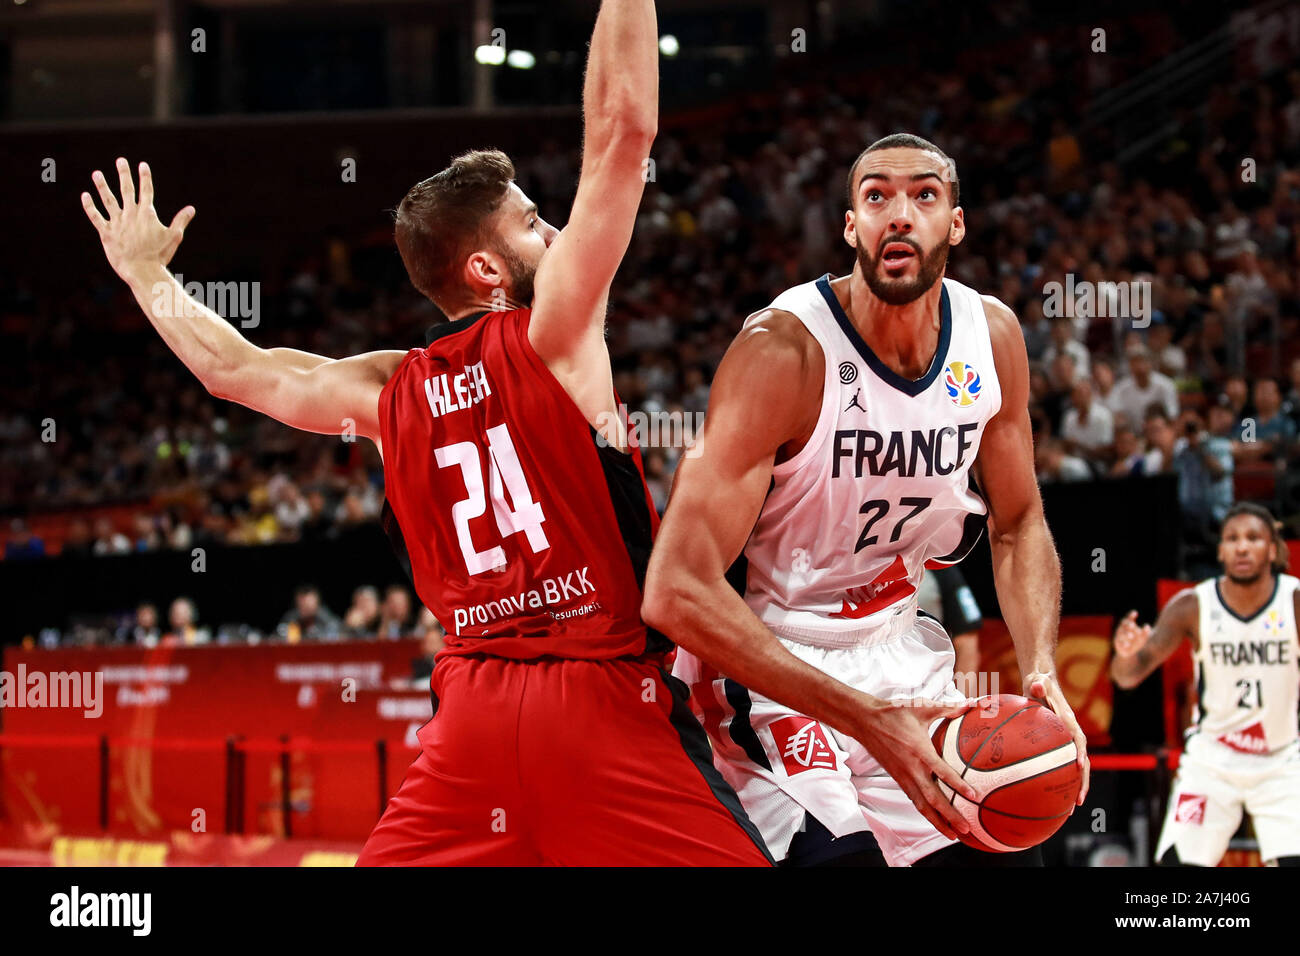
[[519, 515]]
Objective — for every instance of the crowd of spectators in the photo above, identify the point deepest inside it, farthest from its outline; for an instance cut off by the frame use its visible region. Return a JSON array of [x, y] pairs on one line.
[[739, 209], [370, 616]]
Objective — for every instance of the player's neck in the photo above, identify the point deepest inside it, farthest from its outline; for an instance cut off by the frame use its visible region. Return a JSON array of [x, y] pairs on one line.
[[904, 337], [486, 305], [1247, 598]]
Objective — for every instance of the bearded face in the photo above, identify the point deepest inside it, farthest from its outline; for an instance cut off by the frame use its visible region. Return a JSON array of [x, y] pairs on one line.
[[899, 271], [903, 221]]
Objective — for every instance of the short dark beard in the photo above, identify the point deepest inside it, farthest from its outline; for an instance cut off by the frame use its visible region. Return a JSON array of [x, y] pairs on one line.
[[521, 277], [893, 293]]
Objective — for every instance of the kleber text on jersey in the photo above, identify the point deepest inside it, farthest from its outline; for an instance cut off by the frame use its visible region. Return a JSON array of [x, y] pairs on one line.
[[451, 393]]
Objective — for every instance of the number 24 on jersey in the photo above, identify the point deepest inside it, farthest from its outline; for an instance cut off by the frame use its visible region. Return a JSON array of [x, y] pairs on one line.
[[519, 515]]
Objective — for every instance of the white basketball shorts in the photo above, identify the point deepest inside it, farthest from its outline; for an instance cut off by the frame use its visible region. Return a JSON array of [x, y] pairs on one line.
[[1215, 784], [784, 764]]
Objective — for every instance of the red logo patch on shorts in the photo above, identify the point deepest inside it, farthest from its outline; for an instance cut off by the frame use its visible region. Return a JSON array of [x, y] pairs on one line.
[[1250, 740], [1190, 809], [803, 745]]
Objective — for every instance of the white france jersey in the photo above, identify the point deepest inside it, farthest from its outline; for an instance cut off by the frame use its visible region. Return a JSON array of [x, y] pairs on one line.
[[883, 485], [1248, 671]]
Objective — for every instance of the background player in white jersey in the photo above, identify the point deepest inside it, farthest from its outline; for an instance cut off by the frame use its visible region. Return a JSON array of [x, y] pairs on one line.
[[857, 429], [1242, 750]]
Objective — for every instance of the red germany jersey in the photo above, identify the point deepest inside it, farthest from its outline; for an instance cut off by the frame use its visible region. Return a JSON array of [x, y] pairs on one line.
[[524, 534]]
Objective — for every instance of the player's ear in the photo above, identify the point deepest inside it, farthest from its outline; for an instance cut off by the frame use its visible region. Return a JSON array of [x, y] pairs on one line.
[[483, 272], [957, 231], [850, 229]]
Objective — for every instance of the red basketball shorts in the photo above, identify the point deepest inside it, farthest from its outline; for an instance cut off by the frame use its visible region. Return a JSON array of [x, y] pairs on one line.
[[562, 762]]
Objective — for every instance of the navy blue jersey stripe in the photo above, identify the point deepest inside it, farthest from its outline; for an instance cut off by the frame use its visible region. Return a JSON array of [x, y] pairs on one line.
[[1262, 608], [883, 371], [972, 527], [741, 730], [1200, 692]]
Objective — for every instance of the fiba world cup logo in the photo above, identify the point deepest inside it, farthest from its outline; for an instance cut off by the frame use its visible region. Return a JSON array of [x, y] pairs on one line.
[[962, 382]]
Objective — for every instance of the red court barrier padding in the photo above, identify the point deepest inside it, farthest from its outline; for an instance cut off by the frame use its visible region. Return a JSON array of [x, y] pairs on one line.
[[1082, 662], [28, 847], [172, 717]]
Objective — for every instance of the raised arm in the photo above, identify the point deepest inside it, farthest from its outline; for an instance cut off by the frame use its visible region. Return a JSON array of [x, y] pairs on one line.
[[715, 502], [1026, 569], [620, 102], [306, 391], [1140, 649]]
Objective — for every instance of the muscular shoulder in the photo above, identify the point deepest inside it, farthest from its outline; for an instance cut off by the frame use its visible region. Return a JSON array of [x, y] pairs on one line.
[[772, 377], [382, 365], [1009, 356], [773, 340], [1004, 327]]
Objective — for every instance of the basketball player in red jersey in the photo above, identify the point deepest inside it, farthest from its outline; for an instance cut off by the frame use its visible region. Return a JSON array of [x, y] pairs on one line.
[[859, 429], [558, 738]]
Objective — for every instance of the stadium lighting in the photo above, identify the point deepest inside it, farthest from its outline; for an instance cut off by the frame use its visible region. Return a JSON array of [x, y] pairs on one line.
[[490, 55], [668, 45], [521, 59]]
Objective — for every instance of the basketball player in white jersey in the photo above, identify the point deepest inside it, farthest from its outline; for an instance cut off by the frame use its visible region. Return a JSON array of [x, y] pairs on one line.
[[858, 428], [1243, 748]]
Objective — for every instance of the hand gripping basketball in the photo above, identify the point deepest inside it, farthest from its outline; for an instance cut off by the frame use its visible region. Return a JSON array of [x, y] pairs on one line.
[[1046, 688], [896, 734], [1022, 761]]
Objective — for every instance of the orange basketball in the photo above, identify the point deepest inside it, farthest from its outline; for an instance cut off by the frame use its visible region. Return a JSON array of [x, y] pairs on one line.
[[1021, 760]]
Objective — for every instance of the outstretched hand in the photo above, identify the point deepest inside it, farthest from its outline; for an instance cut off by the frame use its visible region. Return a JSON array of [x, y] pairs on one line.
[[1130, 636], [133, 236]]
